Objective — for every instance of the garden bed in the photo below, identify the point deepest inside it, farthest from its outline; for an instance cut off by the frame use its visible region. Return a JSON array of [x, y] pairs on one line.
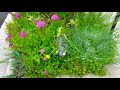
[[49, 44]]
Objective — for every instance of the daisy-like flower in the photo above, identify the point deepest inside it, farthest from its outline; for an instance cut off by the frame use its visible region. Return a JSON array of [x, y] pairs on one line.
[[46, 72], [40, 24], [47, 56], [18, 15], [44, 58], [54, 17], [42, 50], [22, 34], [9, 36]]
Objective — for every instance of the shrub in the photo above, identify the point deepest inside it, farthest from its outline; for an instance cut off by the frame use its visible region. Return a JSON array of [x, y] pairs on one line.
[[61, 43]]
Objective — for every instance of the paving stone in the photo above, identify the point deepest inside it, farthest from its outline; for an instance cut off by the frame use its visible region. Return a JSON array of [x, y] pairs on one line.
[[3, 52], [3, 67], [9, 68]]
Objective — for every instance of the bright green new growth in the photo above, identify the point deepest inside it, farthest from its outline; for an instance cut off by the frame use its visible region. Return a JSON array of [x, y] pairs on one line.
[[89, 46]]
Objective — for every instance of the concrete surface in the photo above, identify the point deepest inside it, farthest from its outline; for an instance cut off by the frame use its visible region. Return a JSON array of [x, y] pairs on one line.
[[3, 45], [2, 17]]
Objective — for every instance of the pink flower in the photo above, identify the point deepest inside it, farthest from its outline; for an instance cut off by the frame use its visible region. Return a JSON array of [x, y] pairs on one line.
[[10, 45], [18, 15], [54, 17], [40, 24], [42, 50], [22, 34], [44, 59], [46, 72], [9, 36]]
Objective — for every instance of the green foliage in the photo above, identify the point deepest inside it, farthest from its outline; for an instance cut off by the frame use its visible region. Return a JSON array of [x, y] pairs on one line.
[[89, 45], [10, 76], [18, 64]]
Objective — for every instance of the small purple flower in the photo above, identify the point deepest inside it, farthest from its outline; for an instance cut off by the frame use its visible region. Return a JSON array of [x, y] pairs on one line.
[[46, 72], [22, 34], [44, 59], [10, 44], [18, 15], [40, 24], [54, 17], [9, 36], [42, 50]]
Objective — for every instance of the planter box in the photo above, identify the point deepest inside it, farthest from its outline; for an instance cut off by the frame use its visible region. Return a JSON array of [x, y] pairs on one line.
[[4, 35]]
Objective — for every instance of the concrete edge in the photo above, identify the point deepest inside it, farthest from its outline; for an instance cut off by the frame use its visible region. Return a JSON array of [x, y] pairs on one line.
[[3, 28]]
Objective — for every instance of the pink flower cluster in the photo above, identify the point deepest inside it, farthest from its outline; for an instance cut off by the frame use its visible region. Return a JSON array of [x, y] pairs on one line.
[[54, 17], [9, 36], [22, 34], [42, 51], [18, 15], [46, 72], [41, 24], [10, 45]]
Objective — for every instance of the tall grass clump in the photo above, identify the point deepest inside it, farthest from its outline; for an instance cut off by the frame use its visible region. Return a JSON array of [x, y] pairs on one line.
[[90, 43]]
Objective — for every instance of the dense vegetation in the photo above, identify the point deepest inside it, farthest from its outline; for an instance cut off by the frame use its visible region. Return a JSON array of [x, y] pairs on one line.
[[49, 44]]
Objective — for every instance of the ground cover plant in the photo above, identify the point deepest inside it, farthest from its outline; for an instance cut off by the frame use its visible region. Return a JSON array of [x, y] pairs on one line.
[[51, 44]]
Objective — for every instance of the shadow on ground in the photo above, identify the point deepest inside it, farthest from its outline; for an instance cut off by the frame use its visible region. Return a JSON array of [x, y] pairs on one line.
[[2, 17]]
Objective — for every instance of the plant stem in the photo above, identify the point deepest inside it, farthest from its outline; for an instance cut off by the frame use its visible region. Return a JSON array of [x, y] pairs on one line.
[[69, 42]]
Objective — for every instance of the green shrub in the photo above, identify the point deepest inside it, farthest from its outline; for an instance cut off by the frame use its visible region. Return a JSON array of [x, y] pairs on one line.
[[77, 43]]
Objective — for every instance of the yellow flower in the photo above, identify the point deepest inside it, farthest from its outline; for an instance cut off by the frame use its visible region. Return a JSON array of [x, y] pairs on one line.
[[47, 56]]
